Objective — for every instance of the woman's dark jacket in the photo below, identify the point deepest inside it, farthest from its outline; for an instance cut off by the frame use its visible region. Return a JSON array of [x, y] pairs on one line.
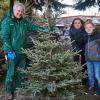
[[92, 47], [78, 37]]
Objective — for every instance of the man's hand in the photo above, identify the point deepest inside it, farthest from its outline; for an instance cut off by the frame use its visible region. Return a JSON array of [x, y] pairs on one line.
[[11, 55]]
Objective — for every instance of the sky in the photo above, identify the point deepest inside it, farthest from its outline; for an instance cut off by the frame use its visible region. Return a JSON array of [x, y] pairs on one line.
[[72, 12]]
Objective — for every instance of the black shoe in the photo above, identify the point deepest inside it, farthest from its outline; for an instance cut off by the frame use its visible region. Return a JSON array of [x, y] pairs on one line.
[[97, 92], [8, 96], [89, 91]]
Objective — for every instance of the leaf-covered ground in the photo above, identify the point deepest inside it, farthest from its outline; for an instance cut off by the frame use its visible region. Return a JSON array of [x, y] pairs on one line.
[[20, 97], [84, 97]]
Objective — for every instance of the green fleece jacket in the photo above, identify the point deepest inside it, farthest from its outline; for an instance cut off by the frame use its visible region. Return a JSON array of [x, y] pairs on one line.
[[14, 33]]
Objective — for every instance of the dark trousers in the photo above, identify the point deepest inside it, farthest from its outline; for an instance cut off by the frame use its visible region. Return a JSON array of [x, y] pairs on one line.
[[14, 67], [81, 58]]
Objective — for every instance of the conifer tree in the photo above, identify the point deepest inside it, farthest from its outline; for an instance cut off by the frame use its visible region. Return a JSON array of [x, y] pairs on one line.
[[53, 71], [84, 4]]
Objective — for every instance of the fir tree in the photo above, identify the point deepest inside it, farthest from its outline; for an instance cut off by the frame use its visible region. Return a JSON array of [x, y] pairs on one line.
[[52, 71], [84, 4]]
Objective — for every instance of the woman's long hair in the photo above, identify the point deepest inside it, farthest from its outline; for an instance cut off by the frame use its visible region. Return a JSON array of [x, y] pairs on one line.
[[82, 22]]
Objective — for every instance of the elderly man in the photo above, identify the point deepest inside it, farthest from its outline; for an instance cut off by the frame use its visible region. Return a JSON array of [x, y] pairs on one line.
[[14, 36]]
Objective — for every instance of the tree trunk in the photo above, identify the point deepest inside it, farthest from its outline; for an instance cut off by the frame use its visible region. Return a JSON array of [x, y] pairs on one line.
[[11, 4]]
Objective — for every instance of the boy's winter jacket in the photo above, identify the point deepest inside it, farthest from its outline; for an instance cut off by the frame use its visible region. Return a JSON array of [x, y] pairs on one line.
[[92, 47]]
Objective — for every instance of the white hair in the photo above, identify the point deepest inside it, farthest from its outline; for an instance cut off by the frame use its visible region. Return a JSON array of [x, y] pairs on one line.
[[17, 4]]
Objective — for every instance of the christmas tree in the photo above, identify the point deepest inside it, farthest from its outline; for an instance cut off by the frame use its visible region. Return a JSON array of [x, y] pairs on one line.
[[53, 71]]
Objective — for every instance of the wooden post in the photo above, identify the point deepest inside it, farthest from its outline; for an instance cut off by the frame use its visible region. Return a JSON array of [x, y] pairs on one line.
[[11, 4]]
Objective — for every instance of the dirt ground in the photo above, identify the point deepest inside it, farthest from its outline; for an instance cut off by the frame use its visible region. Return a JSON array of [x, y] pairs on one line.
[[20, 97], [84, 97]]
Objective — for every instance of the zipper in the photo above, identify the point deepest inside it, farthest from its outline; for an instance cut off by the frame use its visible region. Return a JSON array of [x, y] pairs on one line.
[[13, 42], [19, 26], [88, 44]]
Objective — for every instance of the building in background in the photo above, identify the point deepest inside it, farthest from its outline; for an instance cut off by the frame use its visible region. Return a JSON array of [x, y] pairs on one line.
[[68, 20]]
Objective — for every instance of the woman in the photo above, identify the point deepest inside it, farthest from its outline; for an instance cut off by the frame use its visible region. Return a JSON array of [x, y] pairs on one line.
[[77, 34]]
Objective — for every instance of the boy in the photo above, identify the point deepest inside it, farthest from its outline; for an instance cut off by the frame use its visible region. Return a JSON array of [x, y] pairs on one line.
[[92, 55]]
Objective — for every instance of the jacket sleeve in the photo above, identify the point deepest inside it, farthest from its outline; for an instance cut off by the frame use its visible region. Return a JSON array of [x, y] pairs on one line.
[[34, 28], [97, 39], [5, 35], [74, 44]]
